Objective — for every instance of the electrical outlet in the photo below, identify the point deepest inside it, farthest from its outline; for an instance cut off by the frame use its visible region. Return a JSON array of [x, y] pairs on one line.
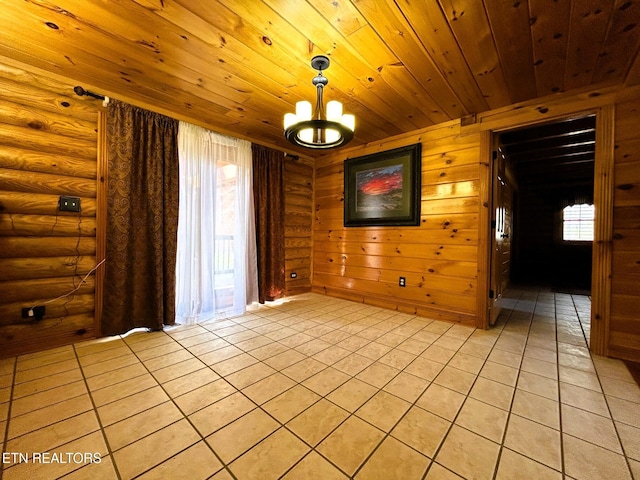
[[69, 204], [34, 312], [402, 282], [294, 275]]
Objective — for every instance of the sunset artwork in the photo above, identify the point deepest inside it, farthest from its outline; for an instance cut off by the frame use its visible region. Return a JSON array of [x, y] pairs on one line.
[[379, 189]]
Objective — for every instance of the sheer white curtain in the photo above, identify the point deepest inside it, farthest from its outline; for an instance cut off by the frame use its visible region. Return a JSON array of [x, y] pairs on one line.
[[216, 273]]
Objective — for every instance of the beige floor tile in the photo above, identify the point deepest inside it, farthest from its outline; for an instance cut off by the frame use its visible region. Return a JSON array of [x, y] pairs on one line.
[[271, 458], [542, 354], [630, 438], [579, 378], [543, 386], [590, 427], [220, 354], [104, 470], [424, 368], [438, 353], [326, 381], [316, 422], [624, 411], [513, 465], [196, 462], [353, 364], [407, 386], [168, 347], [268, 351], [413, 345], [635, 468], [154, 449], [374, 350], [332, 354], [539, 367], [483, 419], [585, 461], [421, 430], [313, 346], [350, 444], [19, 425], [123, 389], [394, 459], [113, 377], [584, 399], [397, 359], [36, 373], [36, 401], [383, 410], [353, 343], [290, 403], [46, 383], [190, 381], [612, 368], [503, 357], [202, 348], [250, 375], [378, 374], [304, 369], [442, 401], [201, 397], [239, 436], [296, 340], [352, 394], [493, 393], [536, 408], [172, 372], [144, 423], [466, 362], [45, 467], [107, 356], [233, 364], [129, 406], [47, 357], [620, 389], [471, 463], [110, 365], [455, 379], [52, 436], [438, 472], [268, 388], [221, 413], [314, 467], [167, 360], [534, 440], [284, 359], [475, 349], [500, 373]]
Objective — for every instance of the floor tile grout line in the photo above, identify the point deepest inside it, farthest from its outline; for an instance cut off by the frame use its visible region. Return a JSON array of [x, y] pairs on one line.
[[185, 417]]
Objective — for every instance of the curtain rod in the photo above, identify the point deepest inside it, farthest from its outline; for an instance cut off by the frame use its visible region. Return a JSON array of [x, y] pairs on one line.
[[82, 92]]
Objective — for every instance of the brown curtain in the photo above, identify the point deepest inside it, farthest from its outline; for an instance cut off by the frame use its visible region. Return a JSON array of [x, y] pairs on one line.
[[142, 219], [268, 197]]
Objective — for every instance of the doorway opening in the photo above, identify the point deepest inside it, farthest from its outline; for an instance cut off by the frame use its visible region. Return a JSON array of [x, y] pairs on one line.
[[547, 172]]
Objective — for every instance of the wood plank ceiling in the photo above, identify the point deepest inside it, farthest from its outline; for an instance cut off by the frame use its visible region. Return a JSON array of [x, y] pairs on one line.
[[237, 66]]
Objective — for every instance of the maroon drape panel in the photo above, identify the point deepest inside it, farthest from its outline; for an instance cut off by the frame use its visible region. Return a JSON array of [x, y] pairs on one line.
[[268, 194], [142, 219]]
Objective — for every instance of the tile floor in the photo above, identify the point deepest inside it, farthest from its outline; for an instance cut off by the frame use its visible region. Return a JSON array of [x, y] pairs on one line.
[[322, 388]]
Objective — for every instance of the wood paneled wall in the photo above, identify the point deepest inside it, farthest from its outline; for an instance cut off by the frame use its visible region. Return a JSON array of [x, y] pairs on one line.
[[438, 258], [624, 328], [298, 199], [48, 148]]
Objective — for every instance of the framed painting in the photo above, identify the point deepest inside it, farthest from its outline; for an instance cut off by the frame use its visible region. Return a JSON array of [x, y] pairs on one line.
[[383, 188]]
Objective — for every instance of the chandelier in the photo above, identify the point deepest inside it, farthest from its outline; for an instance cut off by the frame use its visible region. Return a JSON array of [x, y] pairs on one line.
[[319, 129]]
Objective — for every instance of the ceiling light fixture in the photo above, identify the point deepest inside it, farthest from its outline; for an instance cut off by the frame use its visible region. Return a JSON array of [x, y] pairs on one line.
[[319, 129]]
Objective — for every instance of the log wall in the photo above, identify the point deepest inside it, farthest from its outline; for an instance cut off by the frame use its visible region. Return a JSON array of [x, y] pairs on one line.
[[624, 328], [438, 258], [298, 199], [48, 148]]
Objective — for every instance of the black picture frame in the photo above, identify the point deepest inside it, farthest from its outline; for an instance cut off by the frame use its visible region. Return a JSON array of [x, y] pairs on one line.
[[383, 189]]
